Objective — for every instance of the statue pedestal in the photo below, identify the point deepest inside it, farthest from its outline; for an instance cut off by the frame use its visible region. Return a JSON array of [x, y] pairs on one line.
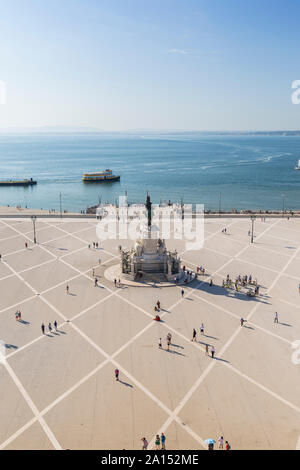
[[150, 256]]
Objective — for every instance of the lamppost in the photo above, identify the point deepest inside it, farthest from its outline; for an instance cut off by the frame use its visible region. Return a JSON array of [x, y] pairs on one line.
[[33, 218], [283, 204], [60, 205], [253, 217]]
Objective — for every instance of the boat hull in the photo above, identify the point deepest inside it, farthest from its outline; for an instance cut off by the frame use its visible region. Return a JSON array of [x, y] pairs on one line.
[[101, 180], [18, 183]]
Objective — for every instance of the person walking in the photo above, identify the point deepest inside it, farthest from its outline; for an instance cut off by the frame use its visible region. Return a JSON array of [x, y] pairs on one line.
[[43, 328], [145, 443], [182, 292], [158, 304], [163, 441], [221, 442], [55, 325], [117, 374], [202, 329], [227, 445], [96, 282], [242, 321], [206, 350], [276, 317], [50, 328], [194, 338], [212, 351], [67, 289], [160, 344], [169, 337], [157, 442]]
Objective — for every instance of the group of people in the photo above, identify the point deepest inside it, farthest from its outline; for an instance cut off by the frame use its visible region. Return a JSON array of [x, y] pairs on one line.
[[194, 338], [200, 269], [95, 245], [222, 445], [168, 340], [49, 327], [195, 332], [160, 442], [240, 281], [188, 277]]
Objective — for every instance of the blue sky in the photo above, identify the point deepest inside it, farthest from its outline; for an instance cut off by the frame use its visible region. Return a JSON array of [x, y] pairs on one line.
[[121, 64]]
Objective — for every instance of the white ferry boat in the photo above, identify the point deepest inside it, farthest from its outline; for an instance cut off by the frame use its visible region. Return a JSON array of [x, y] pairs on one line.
[[298, 166], [100, 177]]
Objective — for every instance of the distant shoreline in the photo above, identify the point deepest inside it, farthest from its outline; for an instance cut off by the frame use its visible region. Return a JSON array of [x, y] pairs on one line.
[[17, 212], [82, 131]]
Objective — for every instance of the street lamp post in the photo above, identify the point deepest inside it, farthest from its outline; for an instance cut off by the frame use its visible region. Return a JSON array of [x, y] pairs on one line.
[[60, 205], [283, 204], [252, 229], [33, 218]]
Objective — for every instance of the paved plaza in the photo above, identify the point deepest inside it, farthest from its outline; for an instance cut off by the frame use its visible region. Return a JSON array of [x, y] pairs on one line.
[[58, 390]]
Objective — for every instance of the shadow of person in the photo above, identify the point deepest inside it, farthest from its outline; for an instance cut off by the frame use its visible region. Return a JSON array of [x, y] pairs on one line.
[[171, 351], [202, 342], [177, 346], [220, 359], [125, 383]]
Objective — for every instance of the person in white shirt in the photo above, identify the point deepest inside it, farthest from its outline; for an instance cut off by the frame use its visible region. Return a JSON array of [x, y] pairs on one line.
[[145, 443]]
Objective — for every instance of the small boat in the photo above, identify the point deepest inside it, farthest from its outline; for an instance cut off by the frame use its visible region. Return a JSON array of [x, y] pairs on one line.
[[24, 182], [298, 166], [100, 177]]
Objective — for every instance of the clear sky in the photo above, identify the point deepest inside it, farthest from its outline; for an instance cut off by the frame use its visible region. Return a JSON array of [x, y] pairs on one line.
[[159, 64]]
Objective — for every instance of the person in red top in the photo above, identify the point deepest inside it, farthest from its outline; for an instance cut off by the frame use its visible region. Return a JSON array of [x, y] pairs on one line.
[[227, 445], [117, 374]]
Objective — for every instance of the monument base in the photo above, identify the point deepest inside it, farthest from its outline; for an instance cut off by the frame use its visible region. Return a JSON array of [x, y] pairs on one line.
[[148, 279]]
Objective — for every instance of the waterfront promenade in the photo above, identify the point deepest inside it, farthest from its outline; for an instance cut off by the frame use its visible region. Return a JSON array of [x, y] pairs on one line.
[[58, 390]]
